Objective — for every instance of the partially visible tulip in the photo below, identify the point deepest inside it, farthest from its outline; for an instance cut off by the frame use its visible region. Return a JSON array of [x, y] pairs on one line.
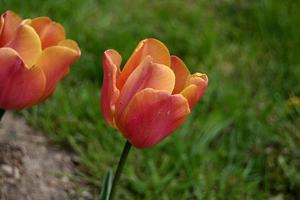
[[153, 94], [34, 57]]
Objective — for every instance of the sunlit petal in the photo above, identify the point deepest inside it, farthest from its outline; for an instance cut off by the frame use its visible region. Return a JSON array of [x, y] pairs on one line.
[[195, 88], [148, 47], [147, 75], [50, 32], [55, 62], [27, 43]]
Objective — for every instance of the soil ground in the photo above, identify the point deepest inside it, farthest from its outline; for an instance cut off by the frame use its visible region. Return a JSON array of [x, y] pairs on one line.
[[33, 169]]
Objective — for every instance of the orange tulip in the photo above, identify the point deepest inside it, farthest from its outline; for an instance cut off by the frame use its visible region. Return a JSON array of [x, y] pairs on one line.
[[34, 56], [153, 94]]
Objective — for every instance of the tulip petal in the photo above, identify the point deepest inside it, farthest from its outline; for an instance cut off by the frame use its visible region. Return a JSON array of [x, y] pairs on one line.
[[151, 116], [55, 62], [195, 88], [10, 22], [19, 87], [181, 73], [27, 43], [70, 44], [156, 49], [110, 92], [50, 32], [146, 75]]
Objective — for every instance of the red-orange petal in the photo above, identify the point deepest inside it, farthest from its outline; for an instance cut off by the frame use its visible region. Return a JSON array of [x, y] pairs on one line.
[[151, 116], [181, 73], [19, 87], [195, 88], [156, 49], [110, 92], [50, 32], [27, 43], [55, 62], [10, 23], [147, 75]]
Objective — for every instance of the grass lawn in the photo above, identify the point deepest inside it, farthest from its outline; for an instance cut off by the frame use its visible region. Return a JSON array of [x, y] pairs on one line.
[[242, 141]]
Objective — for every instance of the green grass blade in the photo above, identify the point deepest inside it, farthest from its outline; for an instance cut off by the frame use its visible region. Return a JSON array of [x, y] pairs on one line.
[[106, 187]]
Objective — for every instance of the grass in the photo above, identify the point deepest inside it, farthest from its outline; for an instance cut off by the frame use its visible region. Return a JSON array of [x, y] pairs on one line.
[[241, 141]]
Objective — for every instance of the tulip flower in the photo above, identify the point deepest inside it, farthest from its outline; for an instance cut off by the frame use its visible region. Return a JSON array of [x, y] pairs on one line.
[[152, 95], [148, 99], [34, 57]]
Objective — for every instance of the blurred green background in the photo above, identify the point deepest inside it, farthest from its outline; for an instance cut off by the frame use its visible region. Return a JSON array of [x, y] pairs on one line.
[[242, 141]]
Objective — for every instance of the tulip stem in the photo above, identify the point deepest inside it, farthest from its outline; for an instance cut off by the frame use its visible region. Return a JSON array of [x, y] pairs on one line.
[[1, 113], [120, 168]]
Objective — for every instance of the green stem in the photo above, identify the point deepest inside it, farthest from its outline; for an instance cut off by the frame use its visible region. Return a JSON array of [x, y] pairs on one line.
[[1, 113], [120, 168]]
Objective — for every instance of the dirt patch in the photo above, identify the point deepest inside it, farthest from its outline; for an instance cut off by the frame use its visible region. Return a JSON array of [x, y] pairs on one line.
[[32, 169]]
